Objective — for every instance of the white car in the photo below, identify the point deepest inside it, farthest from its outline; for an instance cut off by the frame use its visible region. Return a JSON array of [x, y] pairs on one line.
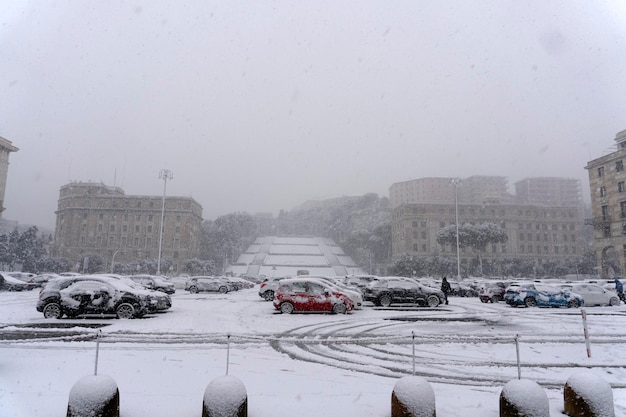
[[595, 295]]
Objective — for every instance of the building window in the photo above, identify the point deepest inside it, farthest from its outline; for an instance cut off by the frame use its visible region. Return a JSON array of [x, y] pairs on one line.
[[125, 228], [619, 165], [621, 187], [150, 218], [622, 209], [149, 229], [177, 229], [148, 242], [415, 247], [602, 191], [601, 172], [99, 228], [605, 213], [136, 243], [606, 229], [112, 228], [136, 229]]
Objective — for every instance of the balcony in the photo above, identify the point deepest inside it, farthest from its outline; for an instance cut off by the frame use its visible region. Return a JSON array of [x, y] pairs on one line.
[[598, 222]]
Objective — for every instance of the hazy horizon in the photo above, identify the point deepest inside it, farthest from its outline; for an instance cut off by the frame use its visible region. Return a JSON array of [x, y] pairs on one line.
[[259, 107]]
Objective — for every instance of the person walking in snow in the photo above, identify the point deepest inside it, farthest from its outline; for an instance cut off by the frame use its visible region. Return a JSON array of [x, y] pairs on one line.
[[445, 288], [619, 287]]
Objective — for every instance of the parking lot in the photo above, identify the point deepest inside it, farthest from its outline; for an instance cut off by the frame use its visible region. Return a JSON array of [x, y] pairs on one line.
[[466, 349]]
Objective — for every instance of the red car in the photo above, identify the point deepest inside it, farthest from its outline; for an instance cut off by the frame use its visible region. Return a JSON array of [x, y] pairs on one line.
[[310, 295]]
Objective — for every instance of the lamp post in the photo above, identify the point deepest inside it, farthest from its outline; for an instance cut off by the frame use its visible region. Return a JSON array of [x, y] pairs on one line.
[[456, 182], [164, 174], [113, 259]]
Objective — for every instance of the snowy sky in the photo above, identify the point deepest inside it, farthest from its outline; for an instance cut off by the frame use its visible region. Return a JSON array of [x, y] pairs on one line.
[[259, 106]]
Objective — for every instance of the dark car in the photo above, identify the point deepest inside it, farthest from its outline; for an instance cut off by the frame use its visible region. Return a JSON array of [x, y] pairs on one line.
[[94, 297], [208, 284], [153, 282], [385, 291], [310, 295]]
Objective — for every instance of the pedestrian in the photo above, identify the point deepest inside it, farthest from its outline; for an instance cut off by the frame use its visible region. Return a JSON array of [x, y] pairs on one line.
[[619, 287], [445, 288]]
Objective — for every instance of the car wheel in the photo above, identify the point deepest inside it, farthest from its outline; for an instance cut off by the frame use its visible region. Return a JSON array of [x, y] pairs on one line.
[[268, 295], [223, 290], [52, 311], [483, 300], [340, 309], [384, 300], [433, 301], [193, 290], [614, 301], [286, 308], [530, 302], [495, 299], [572, 304], [125, 311]]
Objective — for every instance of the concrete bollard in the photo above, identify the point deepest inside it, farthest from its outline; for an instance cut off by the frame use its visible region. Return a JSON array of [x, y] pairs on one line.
[[94, 396], [523, 398], [586, 394], [225, 396], [413, 396]]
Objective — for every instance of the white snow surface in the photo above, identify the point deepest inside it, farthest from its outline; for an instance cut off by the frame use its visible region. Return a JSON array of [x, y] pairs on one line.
[[317, 364]]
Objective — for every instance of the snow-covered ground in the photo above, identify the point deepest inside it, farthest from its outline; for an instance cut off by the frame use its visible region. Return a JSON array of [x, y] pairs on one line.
[[305, 365]]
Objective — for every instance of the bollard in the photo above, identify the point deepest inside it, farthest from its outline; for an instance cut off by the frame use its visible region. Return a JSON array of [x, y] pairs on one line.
[[94, 396], [523, 398], [225, 396], [586, 394], [413, 396]]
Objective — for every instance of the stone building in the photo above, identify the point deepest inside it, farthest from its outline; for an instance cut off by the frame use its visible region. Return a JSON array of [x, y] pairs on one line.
[[540, 233], [607, 183], [96, 219], [535, 233], [6, 147]]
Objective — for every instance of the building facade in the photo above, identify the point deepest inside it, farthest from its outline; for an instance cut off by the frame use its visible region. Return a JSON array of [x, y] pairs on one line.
[[549, 191], [607, 183], [6, 147], [535, 233], [95, 219], [543, 234]]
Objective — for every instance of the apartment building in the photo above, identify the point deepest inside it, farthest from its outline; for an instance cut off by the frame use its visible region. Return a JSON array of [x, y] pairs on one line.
[[540, 233], [6, 147], [607, 183], [93, 218]]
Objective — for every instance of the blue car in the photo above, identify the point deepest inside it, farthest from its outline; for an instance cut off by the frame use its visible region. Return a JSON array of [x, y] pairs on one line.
[[540, 295]]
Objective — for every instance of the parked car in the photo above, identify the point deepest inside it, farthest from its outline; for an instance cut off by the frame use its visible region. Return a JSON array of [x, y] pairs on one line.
[[159, 301], [385, 291], [206, 284], [492, 292], [353, 293], [154, 282], [310, 295], [358, 281], [9, 283], [267, 288], [595, 295], [89, 297], [532, 294]]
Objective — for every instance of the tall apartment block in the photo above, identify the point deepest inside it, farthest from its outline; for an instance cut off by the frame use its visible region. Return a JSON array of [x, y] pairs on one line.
[[607, 183], [6, 147], [96, 219]]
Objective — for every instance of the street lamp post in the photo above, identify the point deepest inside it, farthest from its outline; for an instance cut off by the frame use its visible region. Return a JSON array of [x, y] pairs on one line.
[[164, 174], [456, 182]]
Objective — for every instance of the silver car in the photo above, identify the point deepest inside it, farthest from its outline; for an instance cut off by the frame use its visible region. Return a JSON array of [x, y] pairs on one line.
[[207, 284]]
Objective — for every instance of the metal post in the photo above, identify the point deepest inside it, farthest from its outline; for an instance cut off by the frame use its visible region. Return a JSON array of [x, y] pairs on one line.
[[164, 174], [586, 332], [227, 353], [113, 259], [95, 371], [519, 368], [413, 343], [456, 182]]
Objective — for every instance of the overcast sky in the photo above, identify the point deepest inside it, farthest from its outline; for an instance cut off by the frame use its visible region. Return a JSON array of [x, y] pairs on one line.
[[258, 106]]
